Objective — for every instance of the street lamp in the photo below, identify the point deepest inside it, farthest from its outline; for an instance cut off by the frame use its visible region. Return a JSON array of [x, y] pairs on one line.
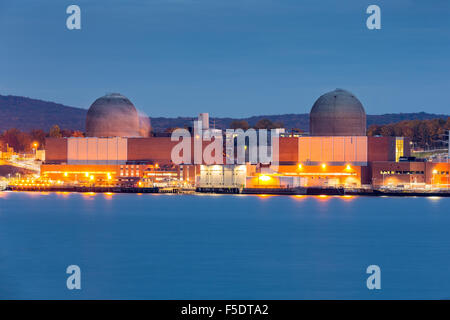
[[34, 147], [432, 178]]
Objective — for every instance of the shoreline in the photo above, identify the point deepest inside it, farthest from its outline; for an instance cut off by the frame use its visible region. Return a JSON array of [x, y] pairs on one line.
[[310, 191]]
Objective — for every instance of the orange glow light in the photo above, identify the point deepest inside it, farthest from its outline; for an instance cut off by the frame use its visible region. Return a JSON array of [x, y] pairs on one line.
[[324, 165]]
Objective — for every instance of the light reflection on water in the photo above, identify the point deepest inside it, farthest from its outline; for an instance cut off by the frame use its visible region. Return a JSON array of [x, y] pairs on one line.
[[163, 246]]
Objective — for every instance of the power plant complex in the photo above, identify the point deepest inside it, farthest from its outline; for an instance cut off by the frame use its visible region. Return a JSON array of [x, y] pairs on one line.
[[120, 151]]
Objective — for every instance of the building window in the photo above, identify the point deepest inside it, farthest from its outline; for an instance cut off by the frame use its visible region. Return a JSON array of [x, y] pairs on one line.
[[399, 148]]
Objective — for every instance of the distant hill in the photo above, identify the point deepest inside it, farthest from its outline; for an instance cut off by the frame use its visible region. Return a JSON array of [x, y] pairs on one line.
[[290, 121], [27, 114]]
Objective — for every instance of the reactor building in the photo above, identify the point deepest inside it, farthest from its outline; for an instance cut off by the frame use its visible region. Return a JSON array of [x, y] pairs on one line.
[[119, 150], [337, 113]]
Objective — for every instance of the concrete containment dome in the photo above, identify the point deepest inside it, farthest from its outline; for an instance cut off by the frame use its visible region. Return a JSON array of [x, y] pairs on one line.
[[112, 115], [337, 113]]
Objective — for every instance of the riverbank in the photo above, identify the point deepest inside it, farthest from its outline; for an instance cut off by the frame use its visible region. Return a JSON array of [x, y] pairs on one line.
[[255, 191]]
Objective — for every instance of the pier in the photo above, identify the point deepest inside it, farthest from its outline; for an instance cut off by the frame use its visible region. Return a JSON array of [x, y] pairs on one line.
[[85, 189], [313, 191]]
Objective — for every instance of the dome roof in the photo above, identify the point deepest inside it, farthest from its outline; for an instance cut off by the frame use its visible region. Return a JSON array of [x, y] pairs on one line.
[[337, 113], [112, 115]]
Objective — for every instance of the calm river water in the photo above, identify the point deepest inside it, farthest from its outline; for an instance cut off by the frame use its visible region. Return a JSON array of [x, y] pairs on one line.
[[154, 246]]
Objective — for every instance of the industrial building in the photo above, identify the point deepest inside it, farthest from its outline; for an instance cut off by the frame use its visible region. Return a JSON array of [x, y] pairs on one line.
[[118, 150]]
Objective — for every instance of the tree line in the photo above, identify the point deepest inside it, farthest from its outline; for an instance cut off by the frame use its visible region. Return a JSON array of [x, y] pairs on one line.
[[425, 134], [23, 141], [261, 124]]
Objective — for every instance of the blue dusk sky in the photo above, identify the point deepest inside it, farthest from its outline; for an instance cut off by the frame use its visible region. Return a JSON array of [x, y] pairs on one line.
[[231, 58]]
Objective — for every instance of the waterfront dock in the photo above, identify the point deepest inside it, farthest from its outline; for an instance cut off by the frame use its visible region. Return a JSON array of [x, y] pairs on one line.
[[98, 189], [313, 191]]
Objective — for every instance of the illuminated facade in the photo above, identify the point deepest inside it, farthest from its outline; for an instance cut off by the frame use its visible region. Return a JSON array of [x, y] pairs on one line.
[[341, 156], [399, 148], [325, 175], [222, 176], [112, 174], [410, 174]]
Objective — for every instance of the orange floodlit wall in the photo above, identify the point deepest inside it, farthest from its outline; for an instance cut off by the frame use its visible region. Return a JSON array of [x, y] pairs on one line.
[[309, 176], [325, 174], [336, 150], [438, 174], [263, 181], [274, 181], [80, 173], [390, 173], [107, 173], [96, 150]]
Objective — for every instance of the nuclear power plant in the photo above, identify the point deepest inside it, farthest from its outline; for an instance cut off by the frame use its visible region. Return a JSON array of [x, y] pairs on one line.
[[119, 151], [337, 113], [113, 115]]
